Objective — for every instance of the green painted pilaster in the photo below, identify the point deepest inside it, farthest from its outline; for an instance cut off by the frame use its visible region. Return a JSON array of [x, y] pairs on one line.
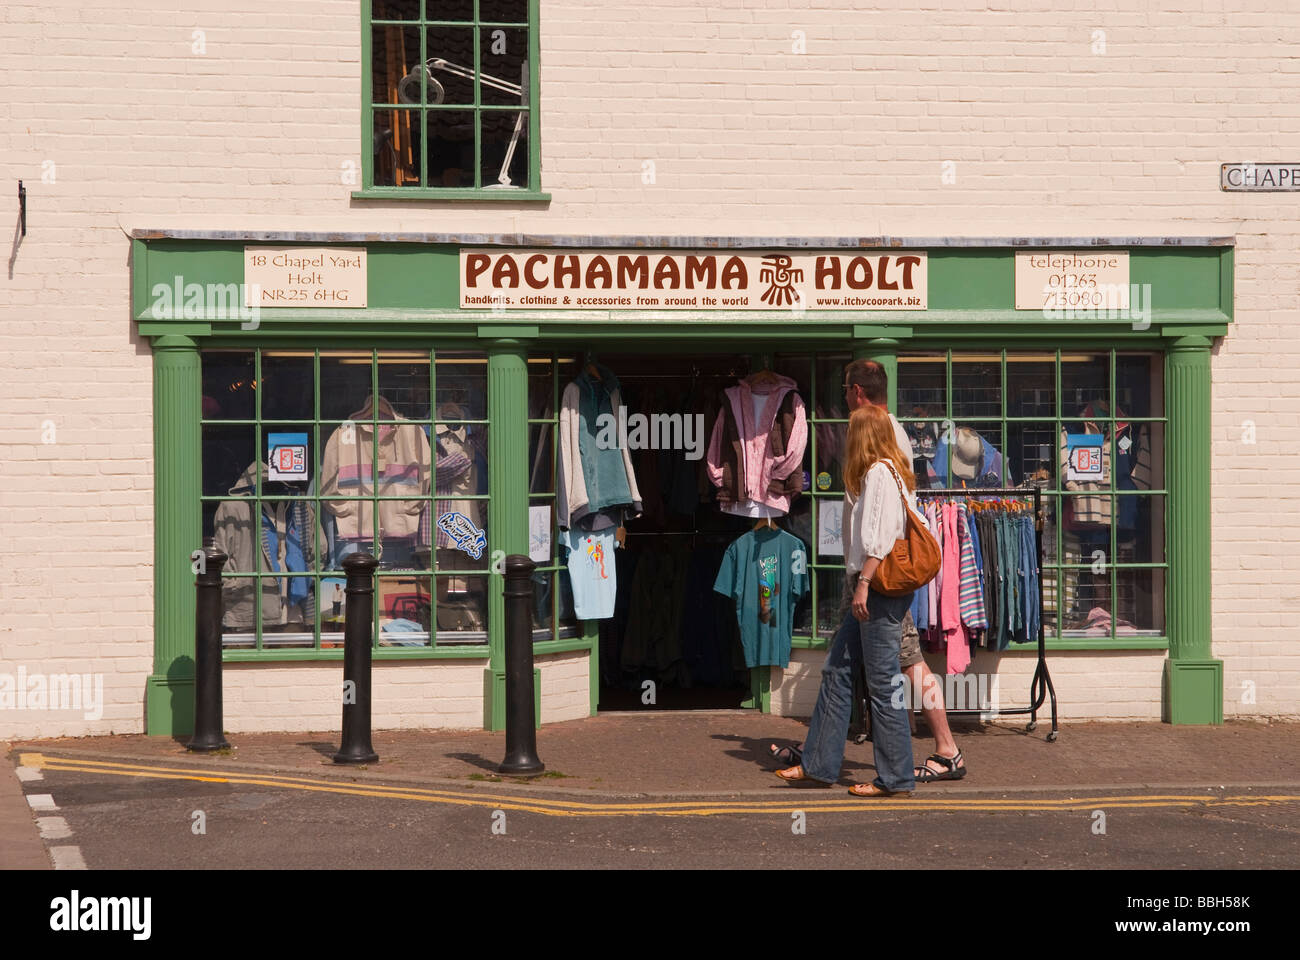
[[508, 510], [177, 389], [883, 350], [1193, 680]]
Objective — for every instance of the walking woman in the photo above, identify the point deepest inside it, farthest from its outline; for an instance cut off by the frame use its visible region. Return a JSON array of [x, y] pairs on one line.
[[878, 480]]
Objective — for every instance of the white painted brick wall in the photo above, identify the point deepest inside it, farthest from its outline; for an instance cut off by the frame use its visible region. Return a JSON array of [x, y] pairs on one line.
[[133, 129]]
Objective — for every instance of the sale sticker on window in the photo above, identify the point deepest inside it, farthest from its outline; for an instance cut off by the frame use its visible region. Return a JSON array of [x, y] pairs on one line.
[[287, 456], [1083, 458]]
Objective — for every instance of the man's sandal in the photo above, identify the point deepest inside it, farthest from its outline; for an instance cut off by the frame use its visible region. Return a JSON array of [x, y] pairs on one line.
[[787, 756], [924, 774], [796, 775], [871, 790]]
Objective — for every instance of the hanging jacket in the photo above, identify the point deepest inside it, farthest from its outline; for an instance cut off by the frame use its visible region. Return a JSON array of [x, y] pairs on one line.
[[988, 475], [970, 589], [348, 469], [755, 456], [595, 470], [284, 538], [954, 634]]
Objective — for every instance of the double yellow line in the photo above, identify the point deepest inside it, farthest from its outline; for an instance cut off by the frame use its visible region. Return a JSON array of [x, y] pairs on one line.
[[795, 800]]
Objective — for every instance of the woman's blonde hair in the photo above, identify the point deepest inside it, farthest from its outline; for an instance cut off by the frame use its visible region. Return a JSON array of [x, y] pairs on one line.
[[871, 438]]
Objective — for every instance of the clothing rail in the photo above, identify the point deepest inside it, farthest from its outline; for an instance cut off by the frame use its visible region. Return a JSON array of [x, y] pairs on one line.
[[1040, 687]]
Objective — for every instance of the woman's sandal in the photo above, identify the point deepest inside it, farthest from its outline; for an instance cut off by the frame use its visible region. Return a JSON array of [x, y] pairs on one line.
[[871, 790], [924, 774], [787, 756]]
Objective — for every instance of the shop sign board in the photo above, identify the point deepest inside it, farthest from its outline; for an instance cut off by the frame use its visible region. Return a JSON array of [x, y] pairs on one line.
[[1259, 177], [1072, 279], [693, 280], [305, 276]]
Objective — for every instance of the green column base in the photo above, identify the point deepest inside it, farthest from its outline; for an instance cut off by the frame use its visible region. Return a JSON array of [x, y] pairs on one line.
[[760, 690], [169, 706], [1193, 691], [494, 699]]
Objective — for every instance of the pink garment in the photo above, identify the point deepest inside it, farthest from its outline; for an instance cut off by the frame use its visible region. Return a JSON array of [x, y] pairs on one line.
[[760, 465], [954, 633], [932, 517]]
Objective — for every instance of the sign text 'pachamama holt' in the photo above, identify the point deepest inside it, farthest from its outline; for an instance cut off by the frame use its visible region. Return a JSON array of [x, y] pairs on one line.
[[694, 280]]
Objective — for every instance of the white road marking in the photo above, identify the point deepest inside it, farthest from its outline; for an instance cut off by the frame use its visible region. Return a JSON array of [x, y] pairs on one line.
[[53, 828], [67, 858], [41, 801], [26, 774]]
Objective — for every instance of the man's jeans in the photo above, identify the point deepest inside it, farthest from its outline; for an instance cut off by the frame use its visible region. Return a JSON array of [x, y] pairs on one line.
[[873, 643]]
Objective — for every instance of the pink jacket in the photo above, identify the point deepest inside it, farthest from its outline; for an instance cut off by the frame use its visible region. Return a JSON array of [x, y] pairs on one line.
[[954, 633], [760, 465]]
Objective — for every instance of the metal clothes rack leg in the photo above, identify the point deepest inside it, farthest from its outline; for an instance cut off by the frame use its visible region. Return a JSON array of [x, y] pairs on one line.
[[1040, 686]]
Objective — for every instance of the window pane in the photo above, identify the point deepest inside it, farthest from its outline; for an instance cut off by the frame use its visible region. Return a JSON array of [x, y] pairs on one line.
[[541, 458], [450, 9], [404, 383], [543, 618], [1139, 385], [1140, 602], [976, 387], [462, 387], [541, 387], [333, 610], [1049, 576], [459, 536], [830, 587], [1031, 386], [451, 148], [503, 62], [396, 9], [287, 385], [395, 56], [1141, 530], [503, 11], [1032, 454], [451, 65], [461, 609], [830, 384], [1085, 381], [345, 384], [974, 457], [921, 387], [405, 611], [397, 148], [228, 458], [228, 385], [505, 149], [829, 469]]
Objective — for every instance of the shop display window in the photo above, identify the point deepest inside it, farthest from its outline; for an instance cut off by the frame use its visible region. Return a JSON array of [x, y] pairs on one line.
[[1087, 428], [312, 455], [451, 95]]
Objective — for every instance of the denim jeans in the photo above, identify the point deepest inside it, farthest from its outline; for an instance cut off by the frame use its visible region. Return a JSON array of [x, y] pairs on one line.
[[874, 644]]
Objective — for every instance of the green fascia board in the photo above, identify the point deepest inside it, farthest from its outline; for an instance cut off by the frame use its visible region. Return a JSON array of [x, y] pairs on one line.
[[414, 283]]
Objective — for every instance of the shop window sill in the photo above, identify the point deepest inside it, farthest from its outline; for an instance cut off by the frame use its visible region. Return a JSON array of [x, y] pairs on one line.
[[1050, 644], [508, 195]]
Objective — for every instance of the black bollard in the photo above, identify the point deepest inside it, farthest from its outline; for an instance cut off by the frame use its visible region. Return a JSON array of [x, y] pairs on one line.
[[358, 621], [207, 653], [521, 732]]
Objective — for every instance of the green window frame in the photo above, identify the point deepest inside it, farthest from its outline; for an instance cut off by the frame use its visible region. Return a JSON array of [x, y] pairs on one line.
[[323, 643], [1116, 567], [394, 122]]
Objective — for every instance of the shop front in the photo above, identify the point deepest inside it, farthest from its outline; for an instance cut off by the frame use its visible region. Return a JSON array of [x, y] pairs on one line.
[[420, 398]]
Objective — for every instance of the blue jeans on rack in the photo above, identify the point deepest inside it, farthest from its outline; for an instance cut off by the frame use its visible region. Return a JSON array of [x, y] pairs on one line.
[[872, 644]]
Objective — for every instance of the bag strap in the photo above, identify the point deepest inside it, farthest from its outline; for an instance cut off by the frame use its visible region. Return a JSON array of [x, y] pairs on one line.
[[898, 480]]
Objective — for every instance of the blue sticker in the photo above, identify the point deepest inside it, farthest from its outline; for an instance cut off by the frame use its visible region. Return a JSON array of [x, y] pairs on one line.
[[463, 533], [287, 456]]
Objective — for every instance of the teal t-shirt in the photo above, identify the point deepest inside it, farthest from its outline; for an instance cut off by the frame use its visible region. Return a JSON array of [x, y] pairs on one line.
[[766, 573]]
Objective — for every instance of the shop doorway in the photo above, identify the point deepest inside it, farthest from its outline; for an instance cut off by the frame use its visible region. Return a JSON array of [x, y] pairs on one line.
[[673, 643]]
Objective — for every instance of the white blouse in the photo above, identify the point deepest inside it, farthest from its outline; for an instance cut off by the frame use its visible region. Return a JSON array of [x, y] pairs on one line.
[[873, 523]]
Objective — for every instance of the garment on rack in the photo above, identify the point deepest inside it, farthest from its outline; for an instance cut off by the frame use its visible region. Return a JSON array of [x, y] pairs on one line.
[[755, 457], [283, 537], [595, 470], [765, 572], [348, 469], [590, 562], [1029, 581]]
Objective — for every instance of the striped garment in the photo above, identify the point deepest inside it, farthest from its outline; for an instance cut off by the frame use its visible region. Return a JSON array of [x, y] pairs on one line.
[[971, 590]]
